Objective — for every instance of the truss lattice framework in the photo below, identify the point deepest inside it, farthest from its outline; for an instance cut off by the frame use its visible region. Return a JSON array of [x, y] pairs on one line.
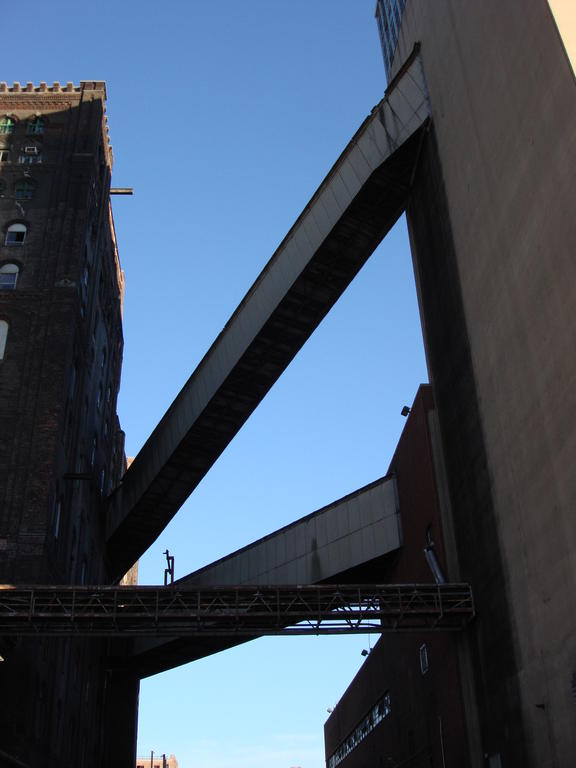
[[233, 611]]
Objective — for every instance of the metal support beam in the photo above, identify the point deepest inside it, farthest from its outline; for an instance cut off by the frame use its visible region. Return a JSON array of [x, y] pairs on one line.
[[233, 611]]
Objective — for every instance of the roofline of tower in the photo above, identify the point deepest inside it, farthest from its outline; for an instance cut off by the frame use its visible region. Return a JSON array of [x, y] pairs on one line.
[[56, 87]]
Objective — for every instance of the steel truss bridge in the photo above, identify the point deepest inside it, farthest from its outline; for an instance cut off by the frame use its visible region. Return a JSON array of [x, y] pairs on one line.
[[232, 611]]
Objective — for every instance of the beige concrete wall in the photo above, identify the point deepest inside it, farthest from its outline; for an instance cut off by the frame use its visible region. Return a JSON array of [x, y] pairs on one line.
[[503, 101]]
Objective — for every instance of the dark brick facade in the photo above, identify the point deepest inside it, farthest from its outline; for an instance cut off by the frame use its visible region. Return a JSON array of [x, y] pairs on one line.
[[61, 447], [425, 724]]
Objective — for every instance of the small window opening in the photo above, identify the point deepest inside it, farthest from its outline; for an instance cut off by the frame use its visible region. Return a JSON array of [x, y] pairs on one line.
[[424, 665], [8, 277], [3, 337], [36, 126], [30, 156], [7, 124], [57, 514], [24, 189], [73, 380], [15, 234]]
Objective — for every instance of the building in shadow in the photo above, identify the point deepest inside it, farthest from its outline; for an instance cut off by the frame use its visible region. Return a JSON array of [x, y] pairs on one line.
[[61, 448], [474, 141]]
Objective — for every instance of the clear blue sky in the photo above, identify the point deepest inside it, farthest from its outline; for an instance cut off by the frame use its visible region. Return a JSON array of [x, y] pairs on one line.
[[225, 116]]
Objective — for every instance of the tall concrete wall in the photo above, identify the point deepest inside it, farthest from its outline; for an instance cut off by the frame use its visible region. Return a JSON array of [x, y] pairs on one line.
[[61, 449], [493, 226]]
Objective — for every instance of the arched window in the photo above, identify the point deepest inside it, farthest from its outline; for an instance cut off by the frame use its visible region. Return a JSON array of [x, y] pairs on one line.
[[8, 277], [7, 124], [24, 189], [36, 125], [15, 234], [3, 337]]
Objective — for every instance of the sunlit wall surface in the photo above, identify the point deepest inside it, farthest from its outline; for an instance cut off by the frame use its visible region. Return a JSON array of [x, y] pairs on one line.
[[564, 12], [389, 16]]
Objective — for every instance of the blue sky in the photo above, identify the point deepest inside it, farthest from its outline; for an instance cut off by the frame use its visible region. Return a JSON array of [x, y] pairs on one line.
[[225, 117]]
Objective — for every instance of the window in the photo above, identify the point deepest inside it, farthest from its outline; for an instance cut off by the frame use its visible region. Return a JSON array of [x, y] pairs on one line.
[[15, 234], [3, 337], [389, 18], [424, 665], [8, 277], [379, 711], [93, 452], [4, 155], [7, 124], [29, 157], [57, 514], [85, 275], [24, 189], [36, 126], [73, 380]]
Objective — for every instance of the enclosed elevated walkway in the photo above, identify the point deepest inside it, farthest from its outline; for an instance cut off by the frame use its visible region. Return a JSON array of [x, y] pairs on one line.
[[351, 532], [350, 536], [353, 209]]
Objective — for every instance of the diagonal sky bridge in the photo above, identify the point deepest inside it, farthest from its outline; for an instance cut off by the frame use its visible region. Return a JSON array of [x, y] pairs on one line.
[[351, 212]]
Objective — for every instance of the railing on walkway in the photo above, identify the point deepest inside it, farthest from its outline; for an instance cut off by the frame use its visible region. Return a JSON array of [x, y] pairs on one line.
[[232, 611]]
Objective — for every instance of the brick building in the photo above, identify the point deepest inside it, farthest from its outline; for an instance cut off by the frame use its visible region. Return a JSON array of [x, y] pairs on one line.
[[404, 707], [61, 447]]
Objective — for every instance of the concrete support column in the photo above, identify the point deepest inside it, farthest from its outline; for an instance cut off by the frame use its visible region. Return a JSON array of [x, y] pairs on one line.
[[121, 719]]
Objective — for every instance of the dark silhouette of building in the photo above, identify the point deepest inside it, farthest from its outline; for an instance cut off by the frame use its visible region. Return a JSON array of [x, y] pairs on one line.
[[61, 447]]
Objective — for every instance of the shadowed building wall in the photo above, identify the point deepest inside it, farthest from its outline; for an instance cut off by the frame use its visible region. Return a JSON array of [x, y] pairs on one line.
[[492, 227], [61, 447]]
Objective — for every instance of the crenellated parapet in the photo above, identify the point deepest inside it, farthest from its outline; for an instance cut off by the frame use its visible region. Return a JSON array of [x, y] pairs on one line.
[[29, 101], [56, 87]]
